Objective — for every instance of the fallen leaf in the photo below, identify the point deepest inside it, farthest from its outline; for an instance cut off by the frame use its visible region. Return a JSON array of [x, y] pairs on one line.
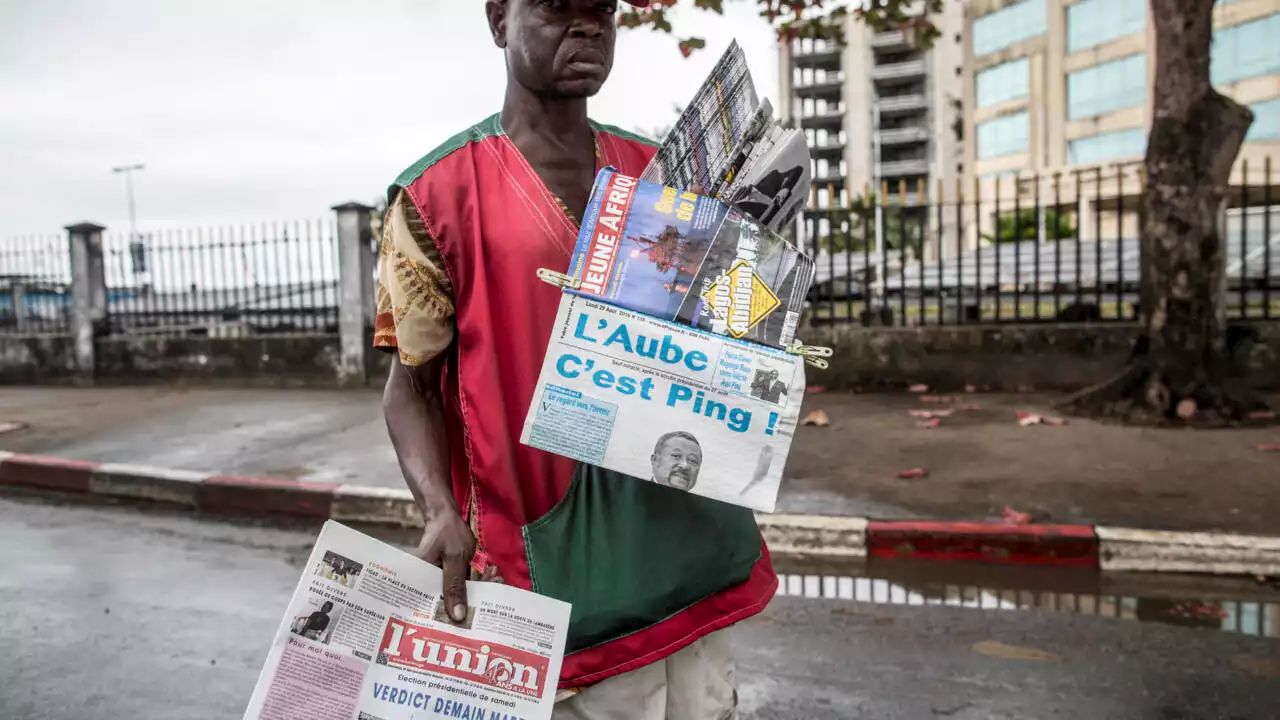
[[931, 413], [817, 417], [930, 424], [815, 389], [919, 388], [1029, 420], [1262, 415], [913, 474], [1269, 447], [1187, 409], [1257, 666], [1013, 652], [1013, 517]]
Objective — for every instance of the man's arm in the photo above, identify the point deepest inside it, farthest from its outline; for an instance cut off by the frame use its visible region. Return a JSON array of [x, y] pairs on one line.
[[412, 406]]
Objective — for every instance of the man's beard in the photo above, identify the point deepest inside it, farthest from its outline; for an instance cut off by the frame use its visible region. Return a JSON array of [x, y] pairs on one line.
[[681, 479]]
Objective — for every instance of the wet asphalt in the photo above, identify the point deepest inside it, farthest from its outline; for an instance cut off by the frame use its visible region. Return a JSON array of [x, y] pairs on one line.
[[119, 612]]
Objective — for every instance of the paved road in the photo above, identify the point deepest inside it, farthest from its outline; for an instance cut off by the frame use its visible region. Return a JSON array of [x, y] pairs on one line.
[[980, 460], [111, 612]]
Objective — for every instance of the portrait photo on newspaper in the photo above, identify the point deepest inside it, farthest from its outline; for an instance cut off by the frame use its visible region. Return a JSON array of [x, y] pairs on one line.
[[665, 402]]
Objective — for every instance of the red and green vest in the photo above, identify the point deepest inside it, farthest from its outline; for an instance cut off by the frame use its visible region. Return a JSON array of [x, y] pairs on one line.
[[648, 569]]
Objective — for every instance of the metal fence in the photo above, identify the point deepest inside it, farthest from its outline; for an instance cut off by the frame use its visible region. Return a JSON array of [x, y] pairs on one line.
[[1053, 248], [35, 285], [232, 281]]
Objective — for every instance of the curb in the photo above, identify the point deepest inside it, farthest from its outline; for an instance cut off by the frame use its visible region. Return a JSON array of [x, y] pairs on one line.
[[813, 536]]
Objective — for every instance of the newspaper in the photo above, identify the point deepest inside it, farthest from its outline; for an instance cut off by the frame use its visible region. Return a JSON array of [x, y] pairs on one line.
[[699, 147], [680, 256], [666, 402], [728, 142], [366, 637]]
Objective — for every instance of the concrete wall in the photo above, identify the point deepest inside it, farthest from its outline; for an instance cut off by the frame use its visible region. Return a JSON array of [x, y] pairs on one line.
[[36, 359], [1009, 357], [1006, 357], [271, 361]]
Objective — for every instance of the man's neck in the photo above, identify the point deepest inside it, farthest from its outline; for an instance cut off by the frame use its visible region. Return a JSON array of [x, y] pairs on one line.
[[537, 123]]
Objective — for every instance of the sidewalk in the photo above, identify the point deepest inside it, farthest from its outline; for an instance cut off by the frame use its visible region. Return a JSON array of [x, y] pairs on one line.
[[979, 460]]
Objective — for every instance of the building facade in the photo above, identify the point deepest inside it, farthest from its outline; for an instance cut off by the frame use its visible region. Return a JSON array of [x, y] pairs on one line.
[[878, 111], [1061, 85]]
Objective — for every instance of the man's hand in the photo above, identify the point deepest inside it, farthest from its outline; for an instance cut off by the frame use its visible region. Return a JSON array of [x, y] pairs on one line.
[[449, 544]]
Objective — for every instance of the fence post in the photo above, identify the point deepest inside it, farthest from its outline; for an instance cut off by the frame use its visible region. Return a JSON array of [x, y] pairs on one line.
[[88, 293], [18, 300], [356, 290]]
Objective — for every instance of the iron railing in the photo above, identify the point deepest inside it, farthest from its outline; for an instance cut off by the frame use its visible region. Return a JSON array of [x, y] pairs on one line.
[[1063, 247], [244, 280], [233, 281], [35, 277]]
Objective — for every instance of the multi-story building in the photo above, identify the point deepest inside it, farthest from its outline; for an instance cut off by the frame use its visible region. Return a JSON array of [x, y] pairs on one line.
[[1057, 85], [878, 110]]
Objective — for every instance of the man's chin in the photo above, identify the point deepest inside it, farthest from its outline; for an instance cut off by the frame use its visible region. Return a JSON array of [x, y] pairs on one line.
[[679, 483], [578, 88]]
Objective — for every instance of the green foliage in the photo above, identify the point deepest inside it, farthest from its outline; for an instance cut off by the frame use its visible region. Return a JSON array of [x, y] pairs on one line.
[[855, 227], [803, 18], [1025, 225]]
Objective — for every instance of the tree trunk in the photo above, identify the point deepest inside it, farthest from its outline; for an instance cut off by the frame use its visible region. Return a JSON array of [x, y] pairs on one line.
[[1180, 366]]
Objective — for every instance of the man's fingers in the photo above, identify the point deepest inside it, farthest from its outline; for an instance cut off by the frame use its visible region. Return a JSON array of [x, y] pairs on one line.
[[455, 587]]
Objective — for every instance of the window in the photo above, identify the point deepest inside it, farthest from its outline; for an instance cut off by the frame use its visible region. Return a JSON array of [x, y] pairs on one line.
[[1097, 149], [1005, 135], [1008, 25], [1246, 50], [1110, 86], [1094, 22], [1003, 82], [1266, 121]]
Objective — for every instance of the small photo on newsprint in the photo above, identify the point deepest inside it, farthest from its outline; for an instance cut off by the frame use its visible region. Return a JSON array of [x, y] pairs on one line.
[[339, 569]]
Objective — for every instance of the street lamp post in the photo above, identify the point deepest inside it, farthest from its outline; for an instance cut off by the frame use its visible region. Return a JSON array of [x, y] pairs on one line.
[[137, 254]]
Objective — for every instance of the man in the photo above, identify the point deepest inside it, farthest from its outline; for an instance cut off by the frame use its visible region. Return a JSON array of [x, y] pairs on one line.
[[676, 460], [317, 622], [767, 387], [651, 573]]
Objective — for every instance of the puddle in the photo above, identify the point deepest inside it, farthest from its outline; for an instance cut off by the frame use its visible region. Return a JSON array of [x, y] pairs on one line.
[[1231, 605]]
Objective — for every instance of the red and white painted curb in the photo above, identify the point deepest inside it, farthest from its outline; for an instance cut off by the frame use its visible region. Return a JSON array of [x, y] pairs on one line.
[[814, 536]]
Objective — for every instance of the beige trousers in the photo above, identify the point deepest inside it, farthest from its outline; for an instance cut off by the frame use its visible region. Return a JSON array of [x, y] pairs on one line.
[[696, 683]]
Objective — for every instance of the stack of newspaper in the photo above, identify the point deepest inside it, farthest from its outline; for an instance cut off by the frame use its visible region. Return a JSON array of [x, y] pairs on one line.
[[668, 360], [728, 143]]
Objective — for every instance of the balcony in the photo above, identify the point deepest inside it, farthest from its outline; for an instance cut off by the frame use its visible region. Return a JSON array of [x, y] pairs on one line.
[[831, 120], [904, 136], [902, 168], [824, 59], [829, 149], [827, 89], [894, 40], [898, 72], [830, 177], [901, 104]]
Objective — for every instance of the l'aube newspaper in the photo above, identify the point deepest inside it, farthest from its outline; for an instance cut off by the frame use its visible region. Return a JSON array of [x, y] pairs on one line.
[[366, 637], [666, 402]]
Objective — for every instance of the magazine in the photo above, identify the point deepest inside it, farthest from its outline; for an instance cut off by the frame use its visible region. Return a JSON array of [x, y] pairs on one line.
[[678, 256], [666, 402], [366, 637], [728, 143]]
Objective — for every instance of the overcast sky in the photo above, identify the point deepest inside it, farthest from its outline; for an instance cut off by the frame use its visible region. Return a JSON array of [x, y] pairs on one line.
[[250, 110]]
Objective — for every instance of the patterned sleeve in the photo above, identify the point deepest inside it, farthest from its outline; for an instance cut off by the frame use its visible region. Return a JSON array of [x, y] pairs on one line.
[[415, 297]]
